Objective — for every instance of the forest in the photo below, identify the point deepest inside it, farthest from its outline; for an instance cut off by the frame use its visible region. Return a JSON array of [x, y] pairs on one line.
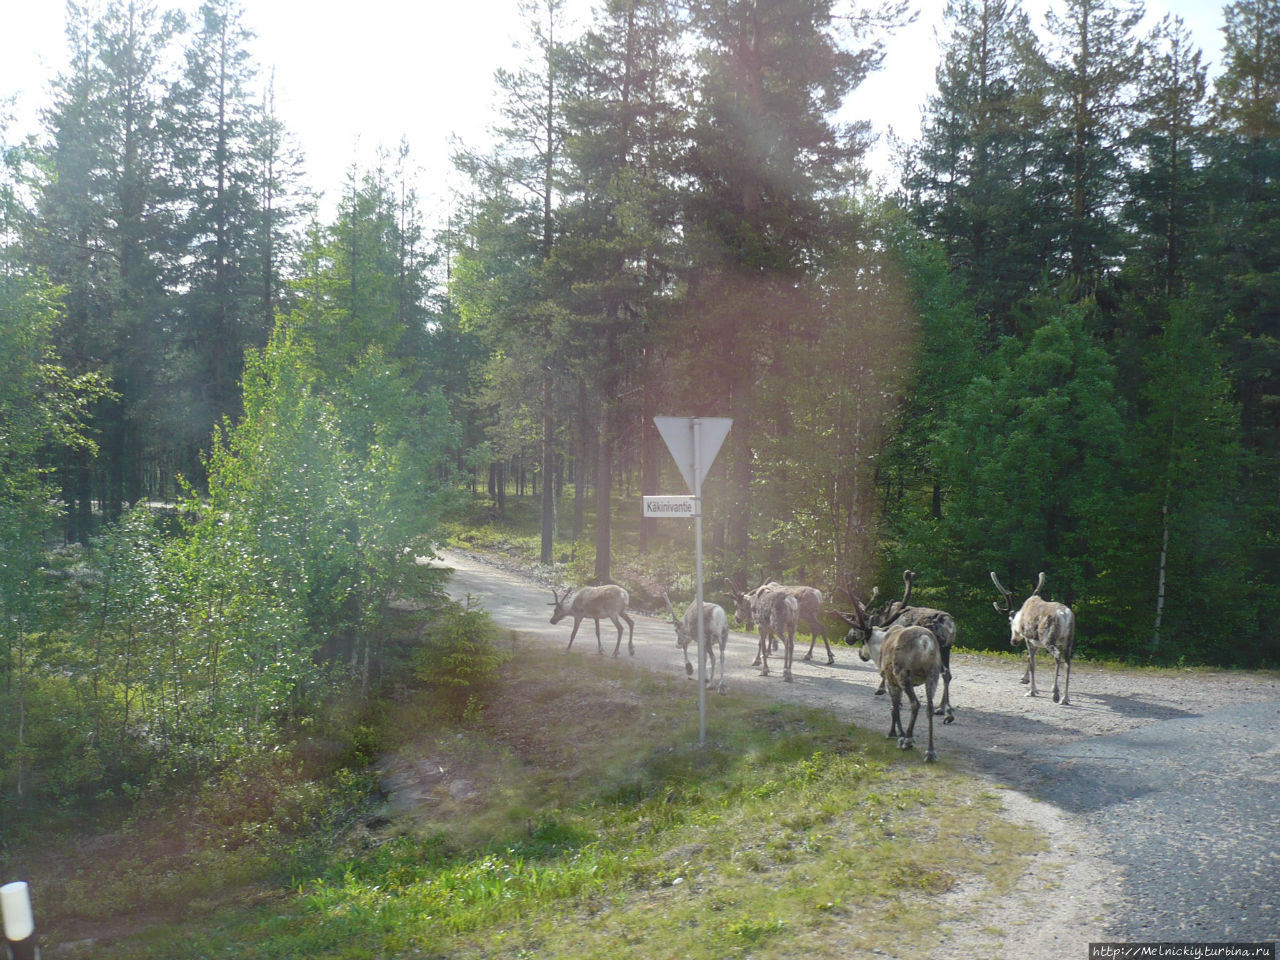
[[230, 424]]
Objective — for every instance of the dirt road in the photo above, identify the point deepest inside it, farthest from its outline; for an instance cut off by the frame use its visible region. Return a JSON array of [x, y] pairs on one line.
[[1159, 791]]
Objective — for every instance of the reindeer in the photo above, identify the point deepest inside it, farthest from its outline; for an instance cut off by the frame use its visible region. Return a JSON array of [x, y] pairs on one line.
[[940, 623], [809, 600], [595, 603], [776, 614], [907, 656], [715, 629], [1041, 625]]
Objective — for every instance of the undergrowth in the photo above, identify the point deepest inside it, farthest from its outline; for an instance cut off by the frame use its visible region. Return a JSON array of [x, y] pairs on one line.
[[594, 825]]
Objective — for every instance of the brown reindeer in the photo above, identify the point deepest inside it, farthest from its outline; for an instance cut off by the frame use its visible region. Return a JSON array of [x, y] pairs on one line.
[[940, 623], [596, 603], [809, 602], [775, 613], [907, 656]]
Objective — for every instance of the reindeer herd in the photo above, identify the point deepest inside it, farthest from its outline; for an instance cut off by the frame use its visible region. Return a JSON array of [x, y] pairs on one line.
[[909, 645]]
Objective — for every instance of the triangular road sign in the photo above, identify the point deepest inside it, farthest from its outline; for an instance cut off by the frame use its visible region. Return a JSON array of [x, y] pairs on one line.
[[679, 434]]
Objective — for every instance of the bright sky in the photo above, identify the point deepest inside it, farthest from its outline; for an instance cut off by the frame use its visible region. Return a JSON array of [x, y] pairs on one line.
[[355, 77]]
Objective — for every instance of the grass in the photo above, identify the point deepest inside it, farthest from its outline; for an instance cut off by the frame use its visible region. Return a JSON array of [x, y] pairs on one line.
[[593, 825]]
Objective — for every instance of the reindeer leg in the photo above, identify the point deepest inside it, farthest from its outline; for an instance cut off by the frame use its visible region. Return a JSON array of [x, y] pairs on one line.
[[789, 646], [880, 689], [931, 755], [617, 646], [1031, 669], [631, 634], [577, 621], [907, 740], [599, 644], [763, 656], [813, 640], [1056, 669], [895, 712], [1066, 684], [944, 707], [831, 657]]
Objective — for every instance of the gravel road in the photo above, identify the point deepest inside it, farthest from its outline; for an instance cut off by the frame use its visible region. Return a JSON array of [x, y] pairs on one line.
[[1159, 790]]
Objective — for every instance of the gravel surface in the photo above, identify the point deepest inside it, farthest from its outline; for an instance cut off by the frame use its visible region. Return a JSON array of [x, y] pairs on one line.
[[1159, 791]]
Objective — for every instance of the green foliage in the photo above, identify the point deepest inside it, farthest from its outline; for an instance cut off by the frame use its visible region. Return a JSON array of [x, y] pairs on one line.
[[459, 657], [647, 841], [1190, 502]]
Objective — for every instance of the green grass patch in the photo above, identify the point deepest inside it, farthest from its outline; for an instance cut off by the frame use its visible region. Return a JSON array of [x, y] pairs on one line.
[[592, 824]]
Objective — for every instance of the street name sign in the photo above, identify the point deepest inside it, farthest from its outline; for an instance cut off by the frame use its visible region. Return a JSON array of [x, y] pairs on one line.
[[682, 508]]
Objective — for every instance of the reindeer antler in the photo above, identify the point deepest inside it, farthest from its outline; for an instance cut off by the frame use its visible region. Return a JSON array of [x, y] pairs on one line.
[[670, 608], [1008, 597]]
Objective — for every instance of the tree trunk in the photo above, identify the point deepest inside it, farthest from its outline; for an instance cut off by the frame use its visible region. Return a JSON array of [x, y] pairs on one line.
[[604, 486], [548, 488]]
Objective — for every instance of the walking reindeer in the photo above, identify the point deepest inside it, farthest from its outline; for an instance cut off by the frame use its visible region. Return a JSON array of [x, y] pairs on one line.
[[596, 603], [907, 656], [940, 623], [715, 632], [1041, 625]]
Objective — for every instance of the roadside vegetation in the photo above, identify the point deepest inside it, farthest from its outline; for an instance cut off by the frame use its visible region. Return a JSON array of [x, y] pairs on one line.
[[565, 809]]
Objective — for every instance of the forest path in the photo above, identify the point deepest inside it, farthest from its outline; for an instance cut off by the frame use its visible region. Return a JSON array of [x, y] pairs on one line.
[[1159, 791]]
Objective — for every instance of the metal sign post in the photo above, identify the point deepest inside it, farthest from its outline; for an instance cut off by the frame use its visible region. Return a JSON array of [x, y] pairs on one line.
[[694, 443]]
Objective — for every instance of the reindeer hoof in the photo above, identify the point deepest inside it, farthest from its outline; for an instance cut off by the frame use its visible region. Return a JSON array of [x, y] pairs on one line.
[[1031, 693], [931, 757], [807, 656], [905, 743], [787, 676], [880, 693], [1066, 702], [688, 669], [950, 717], [1024, 680], [831, 660], [755, 662]]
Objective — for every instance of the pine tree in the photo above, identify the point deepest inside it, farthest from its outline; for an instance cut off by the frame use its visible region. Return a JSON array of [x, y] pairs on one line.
[[1094, 59], [519, 189], [617, 252], [1241, 262], [107, 212], [1166, 200], [976, 178], [766, 162], [214, 127]]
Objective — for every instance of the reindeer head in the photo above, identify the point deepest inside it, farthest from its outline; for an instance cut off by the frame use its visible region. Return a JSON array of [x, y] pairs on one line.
[[559, 603], [742, 609], [864, 619], [682, 635], [1007, 609]]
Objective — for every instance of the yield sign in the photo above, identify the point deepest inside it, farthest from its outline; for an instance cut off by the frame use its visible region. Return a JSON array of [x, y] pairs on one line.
[[694, 442]]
